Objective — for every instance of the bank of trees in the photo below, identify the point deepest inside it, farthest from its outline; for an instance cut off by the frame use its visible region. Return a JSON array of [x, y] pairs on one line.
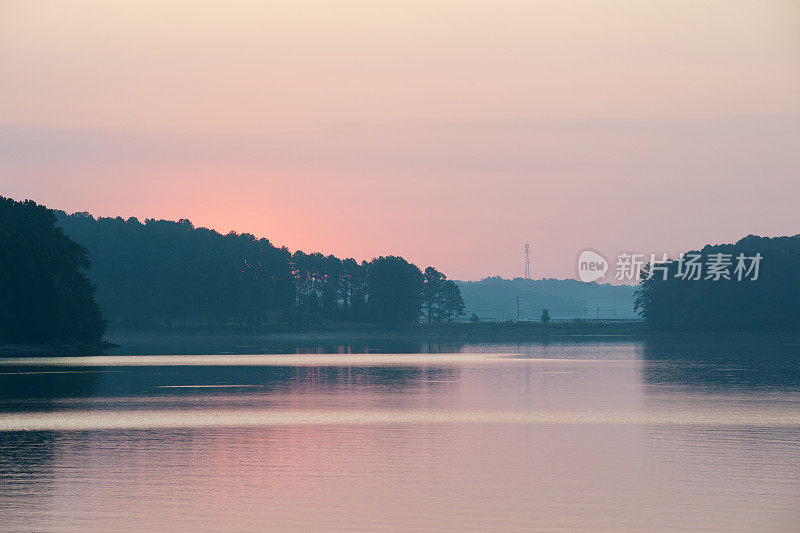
[[165, 272], [441, 298], [45, 295], [720, 298], [171, 271]]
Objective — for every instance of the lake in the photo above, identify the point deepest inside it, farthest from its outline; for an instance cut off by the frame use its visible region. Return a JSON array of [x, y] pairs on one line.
[[368, 435]]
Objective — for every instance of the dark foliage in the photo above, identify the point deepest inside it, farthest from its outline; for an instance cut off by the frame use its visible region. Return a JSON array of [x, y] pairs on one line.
[[771, 303], [395, 290], [162, 272], [441, 298], [44, 294], [171, 272]]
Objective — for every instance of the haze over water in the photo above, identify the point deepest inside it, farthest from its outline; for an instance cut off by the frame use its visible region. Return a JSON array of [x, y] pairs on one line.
[[414, 436]]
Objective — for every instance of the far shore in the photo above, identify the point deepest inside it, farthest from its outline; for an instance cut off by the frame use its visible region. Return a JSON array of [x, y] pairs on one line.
[[475, 332], [66, 348], [443, 332]]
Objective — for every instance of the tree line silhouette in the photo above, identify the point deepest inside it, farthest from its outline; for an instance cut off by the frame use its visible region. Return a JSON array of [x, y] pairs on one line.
[[44, 294], [169, 273], [770, 303], [160, 272]]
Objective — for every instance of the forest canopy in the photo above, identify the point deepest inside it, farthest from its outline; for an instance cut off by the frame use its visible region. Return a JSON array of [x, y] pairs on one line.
[[161, 272]]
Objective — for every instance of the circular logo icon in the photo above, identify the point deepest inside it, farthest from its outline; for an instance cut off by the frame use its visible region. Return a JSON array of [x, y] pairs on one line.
[[591, 266]]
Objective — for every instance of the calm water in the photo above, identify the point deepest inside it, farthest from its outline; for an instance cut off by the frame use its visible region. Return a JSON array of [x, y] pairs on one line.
[[240, 434]]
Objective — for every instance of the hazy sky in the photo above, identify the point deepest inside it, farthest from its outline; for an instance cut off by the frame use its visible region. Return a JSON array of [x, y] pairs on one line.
[[448, 132]]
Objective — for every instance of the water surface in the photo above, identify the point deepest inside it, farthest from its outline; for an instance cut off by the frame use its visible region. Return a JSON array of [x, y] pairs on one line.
[[243, 434]]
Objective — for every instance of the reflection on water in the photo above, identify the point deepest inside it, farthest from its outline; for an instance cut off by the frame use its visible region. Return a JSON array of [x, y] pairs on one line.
[[403, 435], [764, 364]]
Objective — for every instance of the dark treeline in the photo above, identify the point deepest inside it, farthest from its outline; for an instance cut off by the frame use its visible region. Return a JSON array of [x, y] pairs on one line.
[[170, 273], [770, 303], [44, 294]]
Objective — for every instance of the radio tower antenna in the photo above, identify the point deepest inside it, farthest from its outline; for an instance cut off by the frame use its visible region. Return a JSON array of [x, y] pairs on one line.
[[527, 260]]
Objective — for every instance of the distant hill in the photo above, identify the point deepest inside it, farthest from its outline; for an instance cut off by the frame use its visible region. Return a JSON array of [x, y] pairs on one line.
[[495, 298]]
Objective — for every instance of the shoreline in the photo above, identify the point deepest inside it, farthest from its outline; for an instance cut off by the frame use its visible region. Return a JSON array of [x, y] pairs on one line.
[[460, 332], [54, 348], [422, 334]]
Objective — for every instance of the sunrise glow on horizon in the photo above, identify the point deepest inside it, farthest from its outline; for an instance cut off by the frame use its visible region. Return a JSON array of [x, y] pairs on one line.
[[449, 133]]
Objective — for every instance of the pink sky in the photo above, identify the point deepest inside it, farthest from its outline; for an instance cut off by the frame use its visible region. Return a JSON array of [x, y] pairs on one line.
[[446, 132]]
